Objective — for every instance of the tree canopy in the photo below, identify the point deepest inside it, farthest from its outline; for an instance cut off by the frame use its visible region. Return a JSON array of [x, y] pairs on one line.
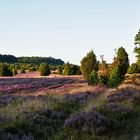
[[137, 48]]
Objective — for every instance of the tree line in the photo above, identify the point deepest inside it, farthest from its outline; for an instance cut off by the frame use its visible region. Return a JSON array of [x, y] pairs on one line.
[[30, 60]]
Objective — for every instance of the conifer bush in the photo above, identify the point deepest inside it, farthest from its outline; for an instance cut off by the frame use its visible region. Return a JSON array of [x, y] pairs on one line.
[[133, 69], [5, 70], [114, 78], [44, 69], [93, 78], [88, 64]]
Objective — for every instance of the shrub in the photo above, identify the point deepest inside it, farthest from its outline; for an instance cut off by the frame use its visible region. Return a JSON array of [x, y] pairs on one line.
[[5, 70], [22, 70], [114, 78], [14, 71], [133, 69], [103, 79], [67, 69], [32, 69], [70, 69], [60, 69], [93, 78], [88, 64], [122, 58], [44, 69]]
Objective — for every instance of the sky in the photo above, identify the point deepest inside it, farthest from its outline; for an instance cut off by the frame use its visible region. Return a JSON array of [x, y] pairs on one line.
[[68, 29]]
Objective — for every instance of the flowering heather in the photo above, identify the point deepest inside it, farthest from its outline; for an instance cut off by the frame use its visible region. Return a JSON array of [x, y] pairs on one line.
[[121, 95], [75, 121], [91, 122], [80, 97], [10, 85], [116, 108], [8, 136]]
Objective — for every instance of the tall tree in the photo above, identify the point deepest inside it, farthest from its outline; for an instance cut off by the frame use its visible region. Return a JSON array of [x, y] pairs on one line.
[[119, 67], [88, 64], [122, 58], [137, 48]]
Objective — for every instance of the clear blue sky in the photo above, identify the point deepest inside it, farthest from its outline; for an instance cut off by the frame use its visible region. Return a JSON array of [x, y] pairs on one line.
[[68, 29]]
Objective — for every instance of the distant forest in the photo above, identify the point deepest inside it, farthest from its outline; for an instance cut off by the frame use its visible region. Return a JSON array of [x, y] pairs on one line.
[[30, 60]]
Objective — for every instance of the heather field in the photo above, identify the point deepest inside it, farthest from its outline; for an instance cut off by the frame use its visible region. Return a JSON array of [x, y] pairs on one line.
[[66, 108]]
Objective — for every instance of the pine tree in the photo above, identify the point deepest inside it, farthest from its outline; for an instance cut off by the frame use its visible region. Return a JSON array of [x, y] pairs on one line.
[[137, 48]]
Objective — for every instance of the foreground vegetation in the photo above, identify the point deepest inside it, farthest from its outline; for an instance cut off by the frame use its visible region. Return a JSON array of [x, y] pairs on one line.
[[85, 114]]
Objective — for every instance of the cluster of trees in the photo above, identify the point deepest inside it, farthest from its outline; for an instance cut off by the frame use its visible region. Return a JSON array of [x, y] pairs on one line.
[[70, 69], [112, 75], [8, 59]]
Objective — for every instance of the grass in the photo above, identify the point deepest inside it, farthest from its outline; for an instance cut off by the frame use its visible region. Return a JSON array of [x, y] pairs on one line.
[[84, 113]]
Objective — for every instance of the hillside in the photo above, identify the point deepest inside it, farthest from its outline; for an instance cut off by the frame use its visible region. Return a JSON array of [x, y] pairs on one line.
[[30, 60]]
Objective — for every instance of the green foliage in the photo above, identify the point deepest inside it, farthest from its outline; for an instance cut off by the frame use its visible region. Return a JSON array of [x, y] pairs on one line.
[[123, 61], [75, 70], [88, 64], [60, 70], [118, 68], [70, 69], [93, 78], [67, 69], [44, 69], [133, 68], [39, 60], [137, 38], [22, 70], [5, 70], [103, 79], [8, 58], [114, 78], [32, 69], [14, 71], [137, 49]]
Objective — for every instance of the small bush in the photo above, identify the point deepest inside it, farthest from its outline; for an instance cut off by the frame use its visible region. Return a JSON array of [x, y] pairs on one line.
[[70, 69], [44, 69], [5, 70], [93, 78], [114, 78]]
